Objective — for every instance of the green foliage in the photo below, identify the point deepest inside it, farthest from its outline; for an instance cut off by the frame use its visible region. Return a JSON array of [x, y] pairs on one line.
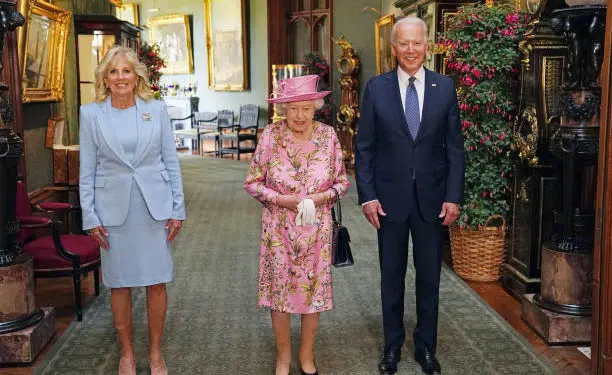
[[481, 48]]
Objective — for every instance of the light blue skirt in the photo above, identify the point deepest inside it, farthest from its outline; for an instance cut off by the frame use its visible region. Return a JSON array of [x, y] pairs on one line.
[[139, 253]]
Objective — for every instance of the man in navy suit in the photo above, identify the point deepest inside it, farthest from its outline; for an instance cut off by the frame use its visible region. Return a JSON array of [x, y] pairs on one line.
[[409, 162]]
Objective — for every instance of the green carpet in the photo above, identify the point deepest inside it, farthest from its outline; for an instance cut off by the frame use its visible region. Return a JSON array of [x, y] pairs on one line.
[[215, 327]]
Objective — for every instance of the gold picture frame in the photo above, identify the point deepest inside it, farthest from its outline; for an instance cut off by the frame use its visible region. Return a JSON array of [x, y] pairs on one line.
[[173, 35], [129, 13], [385, 61], [226, 42], [42, 50]]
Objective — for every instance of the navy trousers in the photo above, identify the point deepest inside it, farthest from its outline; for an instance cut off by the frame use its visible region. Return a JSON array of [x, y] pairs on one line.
[[393, 257]]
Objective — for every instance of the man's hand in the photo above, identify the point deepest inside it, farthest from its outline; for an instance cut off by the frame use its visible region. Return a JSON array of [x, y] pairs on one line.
[[371, 210], [174, 226], [100, 234], [450, 212], [288, 201]]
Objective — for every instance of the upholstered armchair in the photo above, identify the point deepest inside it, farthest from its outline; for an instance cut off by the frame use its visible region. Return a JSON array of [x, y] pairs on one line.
[[56, 255]]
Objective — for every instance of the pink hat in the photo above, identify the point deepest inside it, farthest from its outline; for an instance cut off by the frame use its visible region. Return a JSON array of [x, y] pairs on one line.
[[297, 89]]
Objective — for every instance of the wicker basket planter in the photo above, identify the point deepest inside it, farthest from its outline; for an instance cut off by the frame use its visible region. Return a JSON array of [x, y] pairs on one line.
[[479, 253]]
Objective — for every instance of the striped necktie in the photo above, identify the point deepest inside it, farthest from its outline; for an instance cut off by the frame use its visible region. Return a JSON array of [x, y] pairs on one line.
[[412, 113]]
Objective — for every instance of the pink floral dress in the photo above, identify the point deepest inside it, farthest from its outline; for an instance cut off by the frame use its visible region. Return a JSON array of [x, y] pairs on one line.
[[295, 261]]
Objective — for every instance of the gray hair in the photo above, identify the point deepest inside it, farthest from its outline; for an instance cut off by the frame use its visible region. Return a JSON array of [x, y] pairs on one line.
[[281, 108], [409, 20]]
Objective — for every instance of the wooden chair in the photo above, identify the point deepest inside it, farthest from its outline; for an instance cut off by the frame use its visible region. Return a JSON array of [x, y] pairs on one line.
[[56, 255], [243, 137], [206, 125], [225, 125]]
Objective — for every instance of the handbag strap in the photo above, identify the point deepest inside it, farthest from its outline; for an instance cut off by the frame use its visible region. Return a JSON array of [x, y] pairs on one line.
[[338, 208]]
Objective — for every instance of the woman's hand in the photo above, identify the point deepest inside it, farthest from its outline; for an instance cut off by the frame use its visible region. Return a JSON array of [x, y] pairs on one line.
[[174, 226], [100, 235], [289, 201], [321, 198]]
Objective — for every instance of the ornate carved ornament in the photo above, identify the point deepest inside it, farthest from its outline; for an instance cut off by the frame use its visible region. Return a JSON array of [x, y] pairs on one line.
[[525, 135], [348, 64]]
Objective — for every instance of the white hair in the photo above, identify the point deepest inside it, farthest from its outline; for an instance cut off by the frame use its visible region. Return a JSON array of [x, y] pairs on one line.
[[409, 20], [281, 108]]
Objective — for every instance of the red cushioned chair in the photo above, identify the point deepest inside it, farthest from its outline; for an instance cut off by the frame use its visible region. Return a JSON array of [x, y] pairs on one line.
[[57, 255]]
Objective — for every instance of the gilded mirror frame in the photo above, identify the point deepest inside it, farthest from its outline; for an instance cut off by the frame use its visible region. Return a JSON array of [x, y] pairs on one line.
[[382, 30], [239, 15], [160, 25], [59, 22]]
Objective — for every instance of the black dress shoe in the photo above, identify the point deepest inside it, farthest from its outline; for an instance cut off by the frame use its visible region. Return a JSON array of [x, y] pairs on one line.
[[388, 363], [302, 372], [428, 362]]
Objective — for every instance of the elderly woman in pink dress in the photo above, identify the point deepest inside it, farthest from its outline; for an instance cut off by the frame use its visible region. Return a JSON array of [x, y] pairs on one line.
[[296, 172]]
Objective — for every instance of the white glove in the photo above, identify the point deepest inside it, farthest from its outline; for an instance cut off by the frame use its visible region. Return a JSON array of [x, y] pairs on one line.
[[306, 213]]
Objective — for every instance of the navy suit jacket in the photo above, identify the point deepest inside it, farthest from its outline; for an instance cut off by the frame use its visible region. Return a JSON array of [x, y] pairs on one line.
[[389, 163], [107, 175]]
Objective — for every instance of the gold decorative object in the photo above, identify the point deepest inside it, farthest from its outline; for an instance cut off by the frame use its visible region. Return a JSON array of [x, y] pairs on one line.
[[348, 64], [129, 13], [226, 45], [116, 3], [348, 112], [525, 137], [385, 61], [42, 50], [173, 35], [525, 48]]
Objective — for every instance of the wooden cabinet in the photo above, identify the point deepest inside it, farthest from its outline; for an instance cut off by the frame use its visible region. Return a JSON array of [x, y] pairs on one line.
[[95, 35], [435, 14]]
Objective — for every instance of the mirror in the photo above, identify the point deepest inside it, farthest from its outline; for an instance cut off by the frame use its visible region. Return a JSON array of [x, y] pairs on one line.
[[42, 50]]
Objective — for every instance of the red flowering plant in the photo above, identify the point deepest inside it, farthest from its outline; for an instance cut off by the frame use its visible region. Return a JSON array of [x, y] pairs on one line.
[[148, 54], [481, 48], [315, 64]]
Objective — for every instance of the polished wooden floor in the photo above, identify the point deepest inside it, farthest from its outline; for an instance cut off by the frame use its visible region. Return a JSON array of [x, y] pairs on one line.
[[566, 359]]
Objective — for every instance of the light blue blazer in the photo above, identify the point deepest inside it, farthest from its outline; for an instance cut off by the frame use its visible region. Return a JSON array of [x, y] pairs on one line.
[[107, 175]]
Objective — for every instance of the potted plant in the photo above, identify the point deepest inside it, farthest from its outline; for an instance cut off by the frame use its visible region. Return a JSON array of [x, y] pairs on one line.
[[481, 49], [149, 55]]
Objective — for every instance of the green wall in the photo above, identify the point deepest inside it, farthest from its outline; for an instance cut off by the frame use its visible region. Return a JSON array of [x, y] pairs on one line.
[[358, 28], [387, 7], [211, 100]]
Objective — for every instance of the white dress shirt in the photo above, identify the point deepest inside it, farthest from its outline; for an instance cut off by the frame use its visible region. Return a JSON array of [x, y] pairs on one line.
[[419, 84]]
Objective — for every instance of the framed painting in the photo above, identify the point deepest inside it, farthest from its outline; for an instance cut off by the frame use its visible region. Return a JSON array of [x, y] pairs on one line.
[[129, 13], [42, 50], [226, 40], [385, 61], [173, 35]]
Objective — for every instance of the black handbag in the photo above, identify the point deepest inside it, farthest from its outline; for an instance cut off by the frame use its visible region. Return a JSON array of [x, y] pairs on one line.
[[341, 248]]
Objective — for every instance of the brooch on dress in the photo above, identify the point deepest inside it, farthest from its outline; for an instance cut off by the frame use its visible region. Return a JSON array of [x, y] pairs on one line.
[[146, 116]]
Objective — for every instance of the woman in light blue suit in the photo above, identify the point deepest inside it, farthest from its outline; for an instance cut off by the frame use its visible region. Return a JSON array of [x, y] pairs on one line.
[[131, 195]]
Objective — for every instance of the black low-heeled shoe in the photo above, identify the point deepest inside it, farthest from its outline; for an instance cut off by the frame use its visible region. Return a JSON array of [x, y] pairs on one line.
[[302, 372]]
